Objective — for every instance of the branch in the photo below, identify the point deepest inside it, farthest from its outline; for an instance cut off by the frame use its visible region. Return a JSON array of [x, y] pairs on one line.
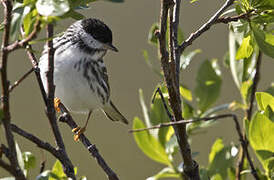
[[164, 102], [67, 118], [227, 20], [50, 111], [204, 27], [34, 63], [41, 144], [8, 168], [24, 42], [5, 91], [185, 121], [16, 83], [254, 86], [169, 64]]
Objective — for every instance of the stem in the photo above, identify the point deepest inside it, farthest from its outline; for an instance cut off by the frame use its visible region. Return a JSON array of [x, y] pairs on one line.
[[16, 83]]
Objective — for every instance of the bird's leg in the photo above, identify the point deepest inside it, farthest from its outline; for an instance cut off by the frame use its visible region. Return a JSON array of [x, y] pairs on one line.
[[57, 101], [78, 130]]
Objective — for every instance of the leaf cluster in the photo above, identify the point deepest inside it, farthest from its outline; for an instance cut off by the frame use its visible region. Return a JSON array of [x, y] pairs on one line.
[[248, 37]]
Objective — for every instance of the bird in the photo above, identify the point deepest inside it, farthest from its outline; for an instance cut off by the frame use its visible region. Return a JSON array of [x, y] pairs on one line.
[[80, 75]]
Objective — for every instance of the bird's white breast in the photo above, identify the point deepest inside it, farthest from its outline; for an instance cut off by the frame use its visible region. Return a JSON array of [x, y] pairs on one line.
[[71, 86]]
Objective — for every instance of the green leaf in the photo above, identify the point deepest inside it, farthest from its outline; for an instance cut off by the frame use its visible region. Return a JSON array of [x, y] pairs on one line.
[[29, 21], [20, 157], [29, 160], [208, 84], [144, 108], [181, 36], [216, 109], [186, 93], [264, 39], [46, 175], [216, 147], [52, 7], [186, 58], [152, 39], [264, 99], [246, 48], [2, 26], [261, 139], [220, 159], [193, 1], [8, 178], [83, 178], [158, 114], [165, 173], [204, 174], [75, 15], [18, 13], [231, 173], [216, 177], [261, 132], [172, 146], [270, 89], [150, 65], [57, 169], [263, 4], [236, 67], [245, 90], [149, 144], [188, 110]]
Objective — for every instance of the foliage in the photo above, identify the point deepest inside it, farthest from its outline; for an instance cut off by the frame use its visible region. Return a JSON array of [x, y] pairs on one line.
[[247, 38]]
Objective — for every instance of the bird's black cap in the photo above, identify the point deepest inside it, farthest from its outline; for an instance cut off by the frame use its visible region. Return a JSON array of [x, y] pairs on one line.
[[99, 30]]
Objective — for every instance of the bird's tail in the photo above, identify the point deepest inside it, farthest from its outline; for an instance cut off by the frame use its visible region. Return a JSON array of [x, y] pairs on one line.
[[113, 113]]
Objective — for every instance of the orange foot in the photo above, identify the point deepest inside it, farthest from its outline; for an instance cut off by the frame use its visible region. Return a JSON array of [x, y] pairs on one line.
[[57, 101], [78, 131]]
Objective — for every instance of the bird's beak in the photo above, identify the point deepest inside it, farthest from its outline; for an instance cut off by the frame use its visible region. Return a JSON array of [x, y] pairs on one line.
[[110, 47]]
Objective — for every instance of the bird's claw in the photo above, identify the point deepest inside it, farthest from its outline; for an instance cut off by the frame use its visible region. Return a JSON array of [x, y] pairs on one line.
[[57, 101], [78, 131]]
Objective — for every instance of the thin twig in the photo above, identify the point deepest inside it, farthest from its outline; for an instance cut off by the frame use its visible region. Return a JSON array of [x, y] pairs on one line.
[[41, 144], [34, 63], [24, 42], [16, 83], [204, 27], [5, 91], [164, 102], [67, 118], [42, 166], [229, 19], [254, 86], [185, 121]]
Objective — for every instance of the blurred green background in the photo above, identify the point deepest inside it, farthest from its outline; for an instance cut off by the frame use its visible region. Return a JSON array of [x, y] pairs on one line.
[[130, 22]]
